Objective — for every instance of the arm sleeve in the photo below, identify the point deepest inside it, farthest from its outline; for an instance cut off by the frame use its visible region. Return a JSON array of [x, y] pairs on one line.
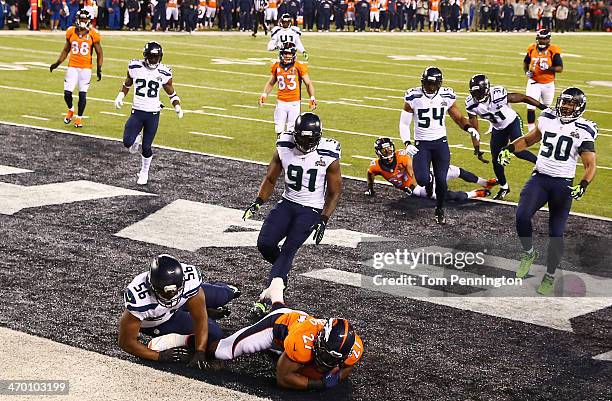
[[586, 146], [557, 61], [527, 59], [404, 125]]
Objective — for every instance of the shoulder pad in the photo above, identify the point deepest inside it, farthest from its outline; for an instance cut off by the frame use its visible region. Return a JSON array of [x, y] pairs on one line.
[[193, 280], [329, 144], [412, 93], [554, 49], [137, 297], [548, 113], [296, 29], [498, 93], [285, 140], [587, 126], [531, 47], [470, 102], [164, 69], [447, 93]]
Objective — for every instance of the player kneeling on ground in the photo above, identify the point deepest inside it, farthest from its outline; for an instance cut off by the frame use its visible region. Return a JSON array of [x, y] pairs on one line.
[[148, 75], [315, 354], [171, 298], [396, 168]]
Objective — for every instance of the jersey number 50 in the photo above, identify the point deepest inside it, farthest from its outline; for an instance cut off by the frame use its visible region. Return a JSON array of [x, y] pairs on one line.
[[561, 151]]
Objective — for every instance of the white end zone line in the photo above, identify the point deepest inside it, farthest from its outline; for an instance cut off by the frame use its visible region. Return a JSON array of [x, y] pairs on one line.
[[590, 216]]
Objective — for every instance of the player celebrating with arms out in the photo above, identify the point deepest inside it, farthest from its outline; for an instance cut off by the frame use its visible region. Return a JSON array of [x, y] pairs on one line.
[[80, 39], [148, 75], [563, 135], [313, 184], [541, 63], [493, 104], [428, 105], [288, 73]]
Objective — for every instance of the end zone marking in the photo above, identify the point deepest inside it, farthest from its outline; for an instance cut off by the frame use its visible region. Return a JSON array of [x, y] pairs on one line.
[[606, 356]]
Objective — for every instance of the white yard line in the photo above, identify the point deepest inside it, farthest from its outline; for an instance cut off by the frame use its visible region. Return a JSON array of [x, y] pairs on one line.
[[35, 117], [212, 135], [245, 106], [214, 108], [110, 113]]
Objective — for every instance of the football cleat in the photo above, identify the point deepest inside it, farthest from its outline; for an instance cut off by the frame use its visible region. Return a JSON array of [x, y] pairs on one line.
[[547, 285], [135, 148], [258, 311], [236, 291], [143, 178], [526, 262], [218, 313], [491, 183], [482, 193], [502, 193], [78, 123], [69, 115], [439, 216]]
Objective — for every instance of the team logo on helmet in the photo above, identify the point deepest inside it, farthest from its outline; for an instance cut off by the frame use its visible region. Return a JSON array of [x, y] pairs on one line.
[[166, 280], [307, 132], [153, 54], [479, 87], [571, 104], [431, 81]]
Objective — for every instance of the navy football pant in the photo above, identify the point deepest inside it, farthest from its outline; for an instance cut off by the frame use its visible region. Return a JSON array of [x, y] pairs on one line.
[[437, 154], [217, 295], [145, 121], [539, 190], [501, 138], [287, 220]]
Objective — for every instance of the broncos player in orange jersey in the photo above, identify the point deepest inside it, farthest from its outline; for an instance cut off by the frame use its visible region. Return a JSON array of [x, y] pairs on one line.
[[315, 354], [396, 168]]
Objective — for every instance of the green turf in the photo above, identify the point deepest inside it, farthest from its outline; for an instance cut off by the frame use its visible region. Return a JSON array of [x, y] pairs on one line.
[[342, 66]]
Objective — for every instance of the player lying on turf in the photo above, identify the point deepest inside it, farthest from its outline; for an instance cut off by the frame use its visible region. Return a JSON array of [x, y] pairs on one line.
[[314, 353], [171, 298], [396, 167]]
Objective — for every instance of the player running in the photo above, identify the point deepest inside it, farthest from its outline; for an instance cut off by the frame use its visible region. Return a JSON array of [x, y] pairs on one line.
[[315, 354], [396, 167], [286, 33], [313, 184], [140, 129], [288, 74], [80, 39], [493, 104], [563, 135], [428, 105], [541, 63], [171, 298]]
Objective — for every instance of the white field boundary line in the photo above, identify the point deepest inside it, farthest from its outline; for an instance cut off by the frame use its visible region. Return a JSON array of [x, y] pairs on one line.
[[456, 146], [590, 216]]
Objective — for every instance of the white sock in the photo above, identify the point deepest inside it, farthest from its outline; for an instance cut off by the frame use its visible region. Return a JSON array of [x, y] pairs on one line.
[[79, 116], [482, 182], [530, 127], [471, 194], [276, 290], [505, 186], [146, 163]]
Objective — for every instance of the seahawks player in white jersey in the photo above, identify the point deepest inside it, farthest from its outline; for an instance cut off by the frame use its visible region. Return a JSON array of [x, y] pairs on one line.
[[313, 184], [493, 105], [148, 75], [428, 105], [171, 298], [563, 135], [284, 33]]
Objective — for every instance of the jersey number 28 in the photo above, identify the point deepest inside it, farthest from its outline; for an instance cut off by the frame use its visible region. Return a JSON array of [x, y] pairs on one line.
[[152, 88]]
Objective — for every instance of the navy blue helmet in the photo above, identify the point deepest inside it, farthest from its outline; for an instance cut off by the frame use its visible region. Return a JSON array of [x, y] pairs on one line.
[[571, 104], [431, 80], [287, 54], [479, 87], [385, 149], [333, 344], [153, 54], [166, 280], [307, 132]]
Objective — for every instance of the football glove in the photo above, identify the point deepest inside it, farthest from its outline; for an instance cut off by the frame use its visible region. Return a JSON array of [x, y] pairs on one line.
[[312, 103], [529, 74], [319, 229], [411, 150], [119, 100], [332, 378], [262, 99], [179, 110], [306, 56], [480, 155], [175, 355], [577, 191], [504, 157], [99, 72], [370, 192], [474, 132], [252, 209], [54, 66], [199, 361]]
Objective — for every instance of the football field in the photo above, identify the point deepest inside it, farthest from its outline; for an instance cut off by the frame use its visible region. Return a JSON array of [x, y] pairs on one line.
[[359, 81]]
